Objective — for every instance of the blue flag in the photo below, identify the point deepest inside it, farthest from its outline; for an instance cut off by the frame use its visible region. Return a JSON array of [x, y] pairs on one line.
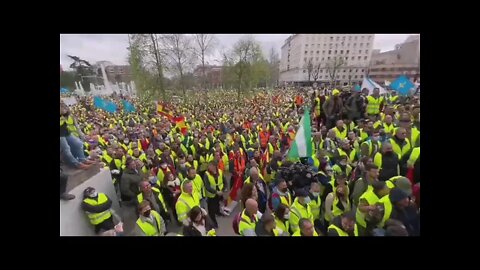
[[402, 85], [104, 105], [357, 88], [127, 106], [64, 91]]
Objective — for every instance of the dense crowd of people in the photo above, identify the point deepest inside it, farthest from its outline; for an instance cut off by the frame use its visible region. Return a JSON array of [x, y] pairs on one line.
[[187, 162]]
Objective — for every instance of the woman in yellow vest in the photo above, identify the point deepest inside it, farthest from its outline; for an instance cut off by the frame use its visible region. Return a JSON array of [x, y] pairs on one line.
[[149, 223], [214, 189], [97, 206], [337, 202], [282, 215]]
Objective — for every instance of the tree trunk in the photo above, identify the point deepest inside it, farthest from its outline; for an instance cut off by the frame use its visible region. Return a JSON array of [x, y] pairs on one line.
[[159, 68]]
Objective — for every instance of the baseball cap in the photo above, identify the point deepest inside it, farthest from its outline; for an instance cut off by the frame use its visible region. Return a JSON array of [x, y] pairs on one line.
[[335, 92]]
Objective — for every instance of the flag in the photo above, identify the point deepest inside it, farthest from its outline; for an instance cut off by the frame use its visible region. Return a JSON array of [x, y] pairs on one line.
[[180, 123], [302, 146], [105, 105], [357, 88], [161, 109], [370, 85], [402, 85], [127, 106]]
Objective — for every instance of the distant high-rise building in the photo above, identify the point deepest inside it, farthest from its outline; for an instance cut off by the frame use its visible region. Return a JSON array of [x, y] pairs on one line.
[[403, 60], [328, 58]]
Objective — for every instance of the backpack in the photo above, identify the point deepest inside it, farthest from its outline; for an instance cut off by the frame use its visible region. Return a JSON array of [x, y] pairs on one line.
[[236, 222]]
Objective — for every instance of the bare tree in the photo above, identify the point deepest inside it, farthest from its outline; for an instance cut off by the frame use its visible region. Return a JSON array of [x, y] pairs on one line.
[[333, 67], [245, 52], [309, 67], [316, 72], [158, 64], [274, 63], [179, 52], [204, 46]]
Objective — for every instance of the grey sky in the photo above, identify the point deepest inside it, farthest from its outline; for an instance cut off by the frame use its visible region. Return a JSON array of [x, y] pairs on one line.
[[113, 47]]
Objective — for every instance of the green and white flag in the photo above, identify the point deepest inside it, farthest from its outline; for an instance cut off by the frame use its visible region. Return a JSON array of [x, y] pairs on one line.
[[302, 146]]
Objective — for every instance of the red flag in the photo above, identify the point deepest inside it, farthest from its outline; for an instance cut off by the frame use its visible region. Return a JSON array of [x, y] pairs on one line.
[[180, 123]]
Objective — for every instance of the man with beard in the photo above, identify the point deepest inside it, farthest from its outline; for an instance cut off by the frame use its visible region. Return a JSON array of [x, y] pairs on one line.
[[387, 162]]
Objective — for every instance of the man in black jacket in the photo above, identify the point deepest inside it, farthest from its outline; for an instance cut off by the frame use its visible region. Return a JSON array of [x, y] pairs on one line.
[[388, 162]]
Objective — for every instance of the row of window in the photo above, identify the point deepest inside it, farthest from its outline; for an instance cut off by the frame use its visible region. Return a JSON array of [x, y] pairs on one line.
[[328, 58], [343, 38], [393, 69], [338, 77], [330, 45], [339, 71], [335, 52]]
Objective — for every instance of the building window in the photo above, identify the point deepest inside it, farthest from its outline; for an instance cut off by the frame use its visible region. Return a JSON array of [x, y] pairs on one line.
[[318, 52], [355, 38], [356, 70], [363, 70], [361, 76], [321, 77], [338, 38], [306, 52], [329, 51], [355, 76], [304, 70], [338, 77], [335, 51], [341, 51], [350, 70], [323, 58], [324, 44], [346, 57], [359, 57], [311, 52], [348, 51], [354, 44], [316, 59], [361, 44], [369, 37], [368, 44], [343, 77], [365, 58], [328, 58], [323, 52], [306, 45], [305, 59], [321, 71], [331, 39], [349, 38], [366, 51]]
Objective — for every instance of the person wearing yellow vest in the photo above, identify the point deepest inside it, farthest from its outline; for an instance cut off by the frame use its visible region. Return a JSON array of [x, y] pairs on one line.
[[412, 132], [412, 162], [400, 144], [281, 195], [337, 202], [398, 206], [387, 162], [318, 158], [249, 218], [214, 188], [300, 209], [315, 204], [187, 200], [345, 149], [342, 167], [306, 228], [282, 215], [316, 142], [364, 183], [343, 225], [97, 206], [192, 162], [330, 143], [371, 146], [266, 226], [393, 99], [149, 223], [374, 102], [340, 130], [155, 197], [129, 181], [72, 125], [262, 189], [367, 204], [388, 125]]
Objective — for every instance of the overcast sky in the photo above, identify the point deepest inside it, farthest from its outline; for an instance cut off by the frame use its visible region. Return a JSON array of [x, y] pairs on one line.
[[113, 47]]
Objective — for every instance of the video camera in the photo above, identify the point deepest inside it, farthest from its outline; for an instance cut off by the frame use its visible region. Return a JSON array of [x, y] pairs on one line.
[[301, 175]]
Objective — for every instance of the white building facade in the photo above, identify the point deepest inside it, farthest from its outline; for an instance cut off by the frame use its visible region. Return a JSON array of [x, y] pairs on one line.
[[328, 58]]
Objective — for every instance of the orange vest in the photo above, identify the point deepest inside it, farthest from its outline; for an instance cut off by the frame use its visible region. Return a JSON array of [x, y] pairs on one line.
[[264, 136]]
